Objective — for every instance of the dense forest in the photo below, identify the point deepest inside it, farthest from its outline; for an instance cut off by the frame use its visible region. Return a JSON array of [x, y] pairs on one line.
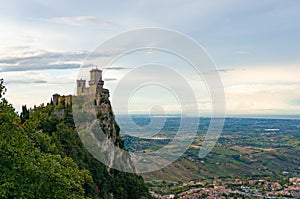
[[42, 157]]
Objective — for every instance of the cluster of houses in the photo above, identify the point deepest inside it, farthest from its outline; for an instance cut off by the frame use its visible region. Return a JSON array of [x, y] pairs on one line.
[[240, 189]]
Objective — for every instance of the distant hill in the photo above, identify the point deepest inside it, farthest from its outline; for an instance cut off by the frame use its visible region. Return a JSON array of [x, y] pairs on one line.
[[247, 148]]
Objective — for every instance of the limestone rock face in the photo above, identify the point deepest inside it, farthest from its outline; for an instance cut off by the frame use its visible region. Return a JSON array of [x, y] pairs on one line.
[[96, 125], [99, 132], [100, 135], [107, 119], [119, 157]]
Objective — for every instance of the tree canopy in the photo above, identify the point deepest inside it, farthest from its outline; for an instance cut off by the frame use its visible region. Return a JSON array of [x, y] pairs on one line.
[[41, 156]]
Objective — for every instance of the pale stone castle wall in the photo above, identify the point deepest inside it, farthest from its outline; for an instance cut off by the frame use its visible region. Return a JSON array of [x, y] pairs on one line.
[[95, 88], [95, 84], [56, 98]]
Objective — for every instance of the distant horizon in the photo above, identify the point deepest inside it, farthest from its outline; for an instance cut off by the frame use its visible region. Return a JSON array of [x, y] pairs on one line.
[[227, 116], [296, 117]]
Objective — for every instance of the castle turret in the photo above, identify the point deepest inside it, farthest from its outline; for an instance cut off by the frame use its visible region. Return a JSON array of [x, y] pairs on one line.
[[95, 87], [81, 89], [95, 76], [55, 98], [95, 83]]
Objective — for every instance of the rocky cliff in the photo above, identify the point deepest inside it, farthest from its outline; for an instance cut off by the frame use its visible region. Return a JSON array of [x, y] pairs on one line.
[[106, 154]]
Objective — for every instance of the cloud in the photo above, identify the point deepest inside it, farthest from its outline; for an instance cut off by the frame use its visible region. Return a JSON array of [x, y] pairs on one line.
[[40, 67], [265, 89], [263, 74], [41, 60], [82, 21], [116, 68], [109, 79], [38, 77], [262, 99], [25, 81], [255, 90]]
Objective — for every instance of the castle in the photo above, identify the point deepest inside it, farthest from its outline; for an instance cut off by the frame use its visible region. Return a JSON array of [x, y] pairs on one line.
[[95, 88], [57, 99]]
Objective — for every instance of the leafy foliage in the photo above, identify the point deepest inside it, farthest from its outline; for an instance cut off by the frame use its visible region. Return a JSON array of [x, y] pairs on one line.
[[42, 157], [106, 182], [29, 172]]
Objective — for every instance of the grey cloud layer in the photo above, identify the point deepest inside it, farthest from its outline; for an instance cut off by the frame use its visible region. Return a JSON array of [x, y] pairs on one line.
[[29, 81], [45, 60], [42, 61]]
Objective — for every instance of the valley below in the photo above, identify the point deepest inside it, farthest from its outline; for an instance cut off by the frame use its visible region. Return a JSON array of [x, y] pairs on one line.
[[252, 158]]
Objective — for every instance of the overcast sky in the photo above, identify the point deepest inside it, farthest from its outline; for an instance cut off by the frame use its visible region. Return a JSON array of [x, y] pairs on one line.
[[254, 44]]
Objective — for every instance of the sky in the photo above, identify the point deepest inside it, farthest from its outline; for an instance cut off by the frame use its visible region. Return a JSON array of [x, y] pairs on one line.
[[254, 45]]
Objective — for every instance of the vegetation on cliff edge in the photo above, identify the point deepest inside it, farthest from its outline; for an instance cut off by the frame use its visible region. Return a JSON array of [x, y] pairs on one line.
[[43, 157]]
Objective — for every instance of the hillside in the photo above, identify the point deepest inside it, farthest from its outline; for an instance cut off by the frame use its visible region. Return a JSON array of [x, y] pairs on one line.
[[42, 157]]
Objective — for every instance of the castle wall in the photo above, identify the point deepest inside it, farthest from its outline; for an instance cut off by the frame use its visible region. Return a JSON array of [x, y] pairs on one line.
[[95, 87], [55, 98], [86, 91], [68, 99]]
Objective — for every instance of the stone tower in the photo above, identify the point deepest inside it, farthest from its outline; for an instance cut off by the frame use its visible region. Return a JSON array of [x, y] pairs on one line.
[[95, 83], [95, 87], [95, 76], [55, 98], [81, 87]]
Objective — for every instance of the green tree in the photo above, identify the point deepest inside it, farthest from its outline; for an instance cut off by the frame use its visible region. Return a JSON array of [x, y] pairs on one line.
[[26, 171], [42, 156], [25, 114]]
